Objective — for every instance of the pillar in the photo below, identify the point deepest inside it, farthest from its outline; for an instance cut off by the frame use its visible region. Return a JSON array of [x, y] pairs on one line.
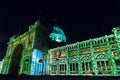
[[79, 63], [94, 63], [112, 61]]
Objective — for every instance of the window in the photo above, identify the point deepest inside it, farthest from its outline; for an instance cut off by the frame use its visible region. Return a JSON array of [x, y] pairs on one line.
[[53, 69], [86, 68], [113, 39], [88, 44], [62, 68], [74, 68], [103, 66], [118, 65], [109, 39], [103, 40]]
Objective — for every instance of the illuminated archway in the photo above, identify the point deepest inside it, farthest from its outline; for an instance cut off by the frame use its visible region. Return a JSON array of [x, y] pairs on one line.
[[15, 60]]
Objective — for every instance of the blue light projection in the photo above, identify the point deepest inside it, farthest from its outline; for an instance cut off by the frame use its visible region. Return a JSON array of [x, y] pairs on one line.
[[36, 66], [57, 34]]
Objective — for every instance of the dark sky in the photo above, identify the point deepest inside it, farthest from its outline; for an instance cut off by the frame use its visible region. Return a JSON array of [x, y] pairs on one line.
[[80, 20]]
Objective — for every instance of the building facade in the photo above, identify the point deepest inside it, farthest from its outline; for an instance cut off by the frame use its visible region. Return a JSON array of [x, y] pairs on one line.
[[20, 50], [95, 57], [28, 54]]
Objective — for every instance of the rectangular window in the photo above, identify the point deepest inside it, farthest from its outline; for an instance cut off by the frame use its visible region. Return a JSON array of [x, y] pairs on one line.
[[74, 68], [83, 67], [86, 67], [118, 65], [103, 67], [62, 68], [53, 69]]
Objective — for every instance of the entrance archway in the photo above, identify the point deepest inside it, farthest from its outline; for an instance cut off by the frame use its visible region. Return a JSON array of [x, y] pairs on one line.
[[15, 60]]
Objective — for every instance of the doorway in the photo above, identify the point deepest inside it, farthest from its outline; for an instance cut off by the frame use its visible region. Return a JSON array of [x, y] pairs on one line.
[[15, 60]]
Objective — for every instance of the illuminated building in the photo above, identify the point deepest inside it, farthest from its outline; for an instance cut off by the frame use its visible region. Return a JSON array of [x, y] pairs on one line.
[[28, 54], [22, 49], [95, 57]]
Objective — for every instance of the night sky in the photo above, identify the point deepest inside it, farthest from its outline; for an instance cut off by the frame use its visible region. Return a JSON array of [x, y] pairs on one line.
[[79, 20]]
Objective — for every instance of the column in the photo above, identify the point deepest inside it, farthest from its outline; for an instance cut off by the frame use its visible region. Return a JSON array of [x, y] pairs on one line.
[[21, 65], [110, 57], [9, 64], [79, 63], [94, 64], [67, 65], [3, 67], [58, 68], [29, 64]]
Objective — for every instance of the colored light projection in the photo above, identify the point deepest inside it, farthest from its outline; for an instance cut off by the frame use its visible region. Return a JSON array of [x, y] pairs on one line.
[[37, 67], [57, 34]]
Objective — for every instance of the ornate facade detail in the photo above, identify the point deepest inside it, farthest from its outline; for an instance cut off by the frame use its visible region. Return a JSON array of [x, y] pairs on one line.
[[20, 50], [92, 57], [26, 55]]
